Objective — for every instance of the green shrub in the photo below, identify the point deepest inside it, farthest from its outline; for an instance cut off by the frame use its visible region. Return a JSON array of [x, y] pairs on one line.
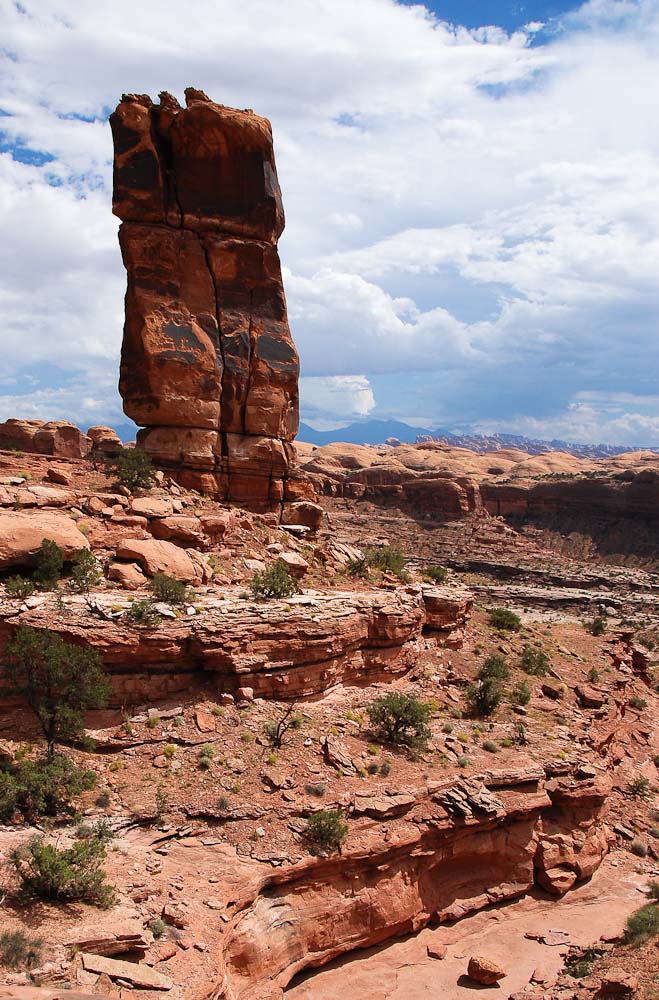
[[327, 830], [373, 767], [387, 559], [65, 874], [168, 589], [206, 756], [48, 564], [598, 626], [44, 787], [59, 681], [276, 729], [133, 468], [19, 586], [637, 703], [438, 574], [490, 746], [639, 787], [401, 719], [593, 675], [85, 573], [495, 666], [385, 769], [642, 925], [157, 927], [535, 661], [505, 620], [274, 582], [144, 613], [485, 696], [521, 693], [18, 951]]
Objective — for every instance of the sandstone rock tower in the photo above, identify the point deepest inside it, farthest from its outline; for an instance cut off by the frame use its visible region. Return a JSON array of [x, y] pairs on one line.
[[208, 365]]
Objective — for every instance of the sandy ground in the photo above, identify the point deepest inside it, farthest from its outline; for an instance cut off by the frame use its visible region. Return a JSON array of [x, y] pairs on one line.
[[404, 971]]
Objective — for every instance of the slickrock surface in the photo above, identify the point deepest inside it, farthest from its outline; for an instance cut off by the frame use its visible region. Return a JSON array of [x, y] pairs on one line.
[[208, 365]]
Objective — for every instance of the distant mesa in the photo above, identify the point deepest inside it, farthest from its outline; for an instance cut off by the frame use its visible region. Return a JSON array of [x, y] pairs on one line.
[[208, 365]]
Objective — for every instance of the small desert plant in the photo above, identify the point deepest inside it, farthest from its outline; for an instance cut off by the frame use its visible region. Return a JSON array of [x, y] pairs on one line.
[[133, 468], [206, 756], [144, 613], [103, 800], [401, 719], [157, 927], [521, 693], [535, 661], [494, 666], [638, 847], [593, 675], [85, 573], [161, 804], [385, 769], [168, 589], [598, 626], [274, 582], [276, 729], [642, 925], [490, 746], [505, 620], [447, 728], [327, 830], [387, 559], [18, 951], [438, 574], [65, 874], [639, 787], [485, 696], [169, 750], [373, 767], [638, 703], [48, 564], [19, 586]]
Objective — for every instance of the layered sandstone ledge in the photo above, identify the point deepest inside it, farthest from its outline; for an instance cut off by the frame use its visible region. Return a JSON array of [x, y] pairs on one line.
[[280, 649], [460, 846], [208, 365], [432, 854]]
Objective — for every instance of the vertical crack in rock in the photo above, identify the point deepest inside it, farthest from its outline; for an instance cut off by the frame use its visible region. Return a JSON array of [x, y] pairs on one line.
[[209, 370]]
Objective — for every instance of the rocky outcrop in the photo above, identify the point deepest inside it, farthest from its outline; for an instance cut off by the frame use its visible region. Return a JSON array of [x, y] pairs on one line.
[[280, 649], [22, 533], [57, 437], [208, 365], [437, 863]]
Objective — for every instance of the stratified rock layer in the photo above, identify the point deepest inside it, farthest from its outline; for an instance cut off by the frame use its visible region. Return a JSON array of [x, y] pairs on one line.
[[208, 365]]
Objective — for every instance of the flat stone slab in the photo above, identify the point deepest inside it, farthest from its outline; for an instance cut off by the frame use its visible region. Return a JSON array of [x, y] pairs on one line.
[[138, 975]]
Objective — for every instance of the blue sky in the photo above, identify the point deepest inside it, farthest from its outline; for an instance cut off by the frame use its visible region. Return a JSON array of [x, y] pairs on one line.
[[471, 192], [507, 14]]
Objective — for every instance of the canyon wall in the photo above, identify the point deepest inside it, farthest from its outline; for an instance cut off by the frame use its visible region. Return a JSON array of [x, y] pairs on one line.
[[208, 365], [283, 651], [460, 846]]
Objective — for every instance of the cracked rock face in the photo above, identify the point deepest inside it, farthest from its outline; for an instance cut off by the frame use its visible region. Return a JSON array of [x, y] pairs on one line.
[[208, 365]]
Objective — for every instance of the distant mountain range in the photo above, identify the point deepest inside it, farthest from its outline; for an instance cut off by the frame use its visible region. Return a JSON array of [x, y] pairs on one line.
[[376, 432]]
